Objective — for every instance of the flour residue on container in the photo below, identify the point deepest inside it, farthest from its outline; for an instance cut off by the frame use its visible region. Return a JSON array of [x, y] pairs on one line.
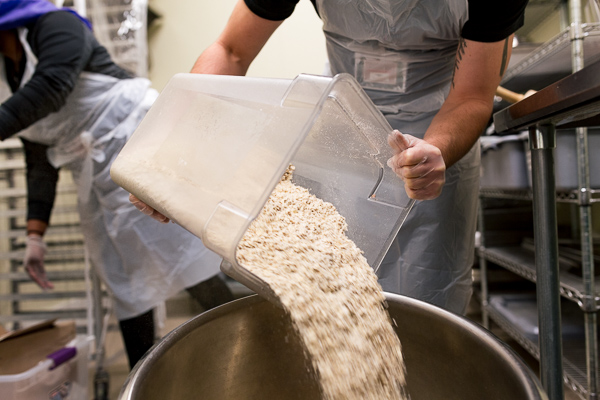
[[298, 246]]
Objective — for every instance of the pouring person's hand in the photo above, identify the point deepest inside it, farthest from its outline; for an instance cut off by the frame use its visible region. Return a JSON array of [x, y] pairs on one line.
[[146, 209], [419, 164], [35, 252]]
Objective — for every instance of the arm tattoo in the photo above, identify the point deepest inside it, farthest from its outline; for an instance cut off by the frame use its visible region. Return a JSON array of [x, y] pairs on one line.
[[504, 58], [459, 55]]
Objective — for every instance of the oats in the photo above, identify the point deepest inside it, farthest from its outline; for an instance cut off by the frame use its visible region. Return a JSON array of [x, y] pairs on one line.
[[298, 245]]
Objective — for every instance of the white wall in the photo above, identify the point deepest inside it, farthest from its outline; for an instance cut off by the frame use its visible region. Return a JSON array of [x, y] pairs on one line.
[[189, 26]]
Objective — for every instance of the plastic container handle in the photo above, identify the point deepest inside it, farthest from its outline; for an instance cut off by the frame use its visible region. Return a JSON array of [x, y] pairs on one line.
[[61, 356]]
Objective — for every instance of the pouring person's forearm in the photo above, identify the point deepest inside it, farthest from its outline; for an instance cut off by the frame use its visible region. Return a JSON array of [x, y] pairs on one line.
[[240, 42], [478, 69], [454, 130]]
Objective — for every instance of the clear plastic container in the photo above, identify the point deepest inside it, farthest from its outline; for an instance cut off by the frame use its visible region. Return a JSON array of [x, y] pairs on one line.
[[212, 148], [50, 380]]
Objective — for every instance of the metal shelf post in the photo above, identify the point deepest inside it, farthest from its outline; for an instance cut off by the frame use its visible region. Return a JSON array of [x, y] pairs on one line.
[[542, 140]]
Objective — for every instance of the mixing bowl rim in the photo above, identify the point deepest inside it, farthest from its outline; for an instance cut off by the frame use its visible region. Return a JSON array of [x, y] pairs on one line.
[[525, 373]]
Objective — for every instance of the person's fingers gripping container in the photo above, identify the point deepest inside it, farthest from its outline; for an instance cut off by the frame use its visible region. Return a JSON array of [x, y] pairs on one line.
[[212, 148]]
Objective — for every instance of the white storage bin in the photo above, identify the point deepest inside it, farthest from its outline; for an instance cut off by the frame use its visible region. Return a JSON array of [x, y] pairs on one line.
[[64, 377], [521, 311], [566, 158], [212, 148], [504, 162]]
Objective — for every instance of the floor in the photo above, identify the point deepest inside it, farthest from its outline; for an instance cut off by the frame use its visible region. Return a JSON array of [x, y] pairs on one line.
[[181, 308]]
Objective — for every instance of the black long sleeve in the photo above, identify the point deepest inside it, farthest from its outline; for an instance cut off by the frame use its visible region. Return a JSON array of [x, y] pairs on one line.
[[42, 179]]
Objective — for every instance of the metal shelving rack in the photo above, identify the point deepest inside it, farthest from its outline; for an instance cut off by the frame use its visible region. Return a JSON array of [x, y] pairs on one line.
[[570, 100], [521, 261], [557, 105]]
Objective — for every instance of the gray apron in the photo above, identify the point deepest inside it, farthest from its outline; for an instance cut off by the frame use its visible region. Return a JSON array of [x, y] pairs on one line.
[[402, 53], [141, 261]]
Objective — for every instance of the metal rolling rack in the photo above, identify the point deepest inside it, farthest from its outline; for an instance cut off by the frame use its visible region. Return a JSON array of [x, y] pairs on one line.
[[65, 256]]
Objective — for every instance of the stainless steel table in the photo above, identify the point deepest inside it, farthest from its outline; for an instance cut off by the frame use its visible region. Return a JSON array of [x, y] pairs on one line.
[[570, 102]]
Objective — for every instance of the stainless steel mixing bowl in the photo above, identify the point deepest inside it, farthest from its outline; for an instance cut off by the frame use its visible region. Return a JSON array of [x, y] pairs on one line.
[[247, 349]]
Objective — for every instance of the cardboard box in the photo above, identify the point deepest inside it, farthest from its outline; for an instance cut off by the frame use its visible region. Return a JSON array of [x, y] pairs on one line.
[[47, 361]]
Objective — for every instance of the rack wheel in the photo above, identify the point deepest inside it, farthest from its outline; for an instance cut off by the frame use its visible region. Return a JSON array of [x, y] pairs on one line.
[[101, 380]]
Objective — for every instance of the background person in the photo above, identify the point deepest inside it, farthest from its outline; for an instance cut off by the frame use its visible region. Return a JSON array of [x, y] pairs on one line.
[[74, 108]]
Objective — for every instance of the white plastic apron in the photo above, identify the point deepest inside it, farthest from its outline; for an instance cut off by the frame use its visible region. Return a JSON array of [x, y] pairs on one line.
[[5, 92], [141, 261], [402, 53]]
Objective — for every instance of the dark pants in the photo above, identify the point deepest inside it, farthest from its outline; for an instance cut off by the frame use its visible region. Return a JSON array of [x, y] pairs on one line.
[[138, 332]]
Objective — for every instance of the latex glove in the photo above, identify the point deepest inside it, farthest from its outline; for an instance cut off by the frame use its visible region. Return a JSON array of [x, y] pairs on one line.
[[146, 209], [35, 251], [419, 164]]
